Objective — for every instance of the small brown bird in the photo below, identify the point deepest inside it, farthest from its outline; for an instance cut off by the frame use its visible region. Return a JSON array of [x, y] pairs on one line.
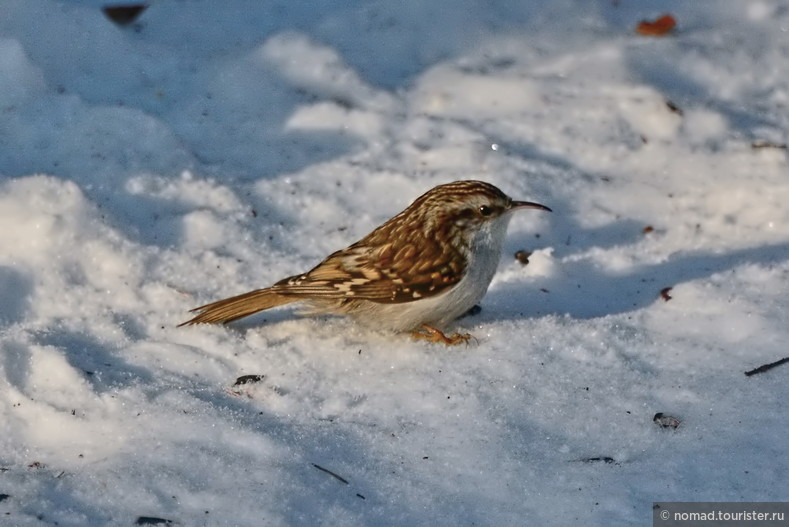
[[417, 272]]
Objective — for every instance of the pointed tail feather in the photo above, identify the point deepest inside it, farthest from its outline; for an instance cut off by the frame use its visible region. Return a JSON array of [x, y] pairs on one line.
[[233, 308]]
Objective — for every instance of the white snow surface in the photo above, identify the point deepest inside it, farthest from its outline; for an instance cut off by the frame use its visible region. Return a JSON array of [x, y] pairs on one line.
[[212, 148]]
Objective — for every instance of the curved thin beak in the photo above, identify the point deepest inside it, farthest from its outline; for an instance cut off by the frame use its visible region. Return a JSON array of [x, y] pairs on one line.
[[528, 205]]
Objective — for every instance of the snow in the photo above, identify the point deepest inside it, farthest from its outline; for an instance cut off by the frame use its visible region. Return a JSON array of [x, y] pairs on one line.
[[205, 151]]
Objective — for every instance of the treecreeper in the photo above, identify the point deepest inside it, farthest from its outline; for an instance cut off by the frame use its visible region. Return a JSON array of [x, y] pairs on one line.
[[416, 273]]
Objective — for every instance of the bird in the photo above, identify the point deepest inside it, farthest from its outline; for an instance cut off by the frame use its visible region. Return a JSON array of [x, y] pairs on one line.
[[416, 273]]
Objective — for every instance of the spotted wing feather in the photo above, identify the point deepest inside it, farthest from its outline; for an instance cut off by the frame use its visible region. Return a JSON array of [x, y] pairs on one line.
[[388, 273]]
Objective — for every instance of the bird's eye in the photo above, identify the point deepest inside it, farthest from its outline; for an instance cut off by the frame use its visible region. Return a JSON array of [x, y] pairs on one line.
[[484, 210]]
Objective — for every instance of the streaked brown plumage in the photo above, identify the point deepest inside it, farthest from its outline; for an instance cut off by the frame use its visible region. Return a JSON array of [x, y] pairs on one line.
[[401, 275]]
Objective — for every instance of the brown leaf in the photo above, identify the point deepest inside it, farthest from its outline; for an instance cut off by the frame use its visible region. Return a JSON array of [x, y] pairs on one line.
[[248, 379], [674, 108], [123, 15], [523, 256], [666, 421], [657, 28]]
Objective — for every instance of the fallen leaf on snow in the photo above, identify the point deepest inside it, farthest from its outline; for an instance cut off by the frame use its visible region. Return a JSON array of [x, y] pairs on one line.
[[657, 28]]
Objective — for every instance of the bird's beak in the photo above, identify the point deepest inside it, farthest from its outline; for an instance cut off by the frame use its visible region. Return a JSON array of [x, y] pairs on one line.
[[527, 205]]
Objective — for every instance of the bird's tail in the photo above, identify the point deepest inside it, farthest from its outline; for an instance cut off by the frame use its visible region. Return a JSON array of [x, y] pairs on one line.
[[233, 308]]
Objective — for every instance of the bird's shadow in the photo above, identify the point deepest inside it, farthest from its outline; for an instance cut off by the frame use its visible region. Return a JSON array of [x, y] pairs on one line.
[[580, 287], [583, 290]]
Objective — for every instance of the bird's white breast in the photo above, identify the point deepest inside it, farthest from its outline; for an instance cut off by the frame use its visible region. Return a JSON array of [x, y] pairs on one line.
[[483, 258]]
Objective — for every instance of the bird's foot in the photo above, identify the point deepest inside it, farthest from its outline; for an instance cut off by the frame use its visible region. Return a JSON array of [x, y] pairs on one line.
[[432, 334]]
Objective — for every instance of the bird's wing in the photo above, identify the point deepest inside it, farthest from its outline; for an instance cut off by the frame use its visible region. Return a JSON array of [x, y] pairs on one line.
[[389, 273]]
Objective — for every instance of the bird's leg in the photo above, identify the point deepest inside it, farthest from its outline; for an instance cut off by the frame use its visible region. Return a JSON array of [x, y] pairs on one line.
[[432, 334]]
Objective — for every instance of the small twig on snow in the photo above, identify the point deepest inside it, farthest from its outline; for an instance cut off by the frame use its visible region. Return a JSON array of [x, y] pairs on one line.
[[329, 472], [766, 367]]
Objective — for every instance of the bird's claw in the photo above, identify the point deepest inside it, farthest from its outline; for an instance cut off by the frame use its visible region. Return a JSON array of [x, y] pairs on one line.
[[432, 334]]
